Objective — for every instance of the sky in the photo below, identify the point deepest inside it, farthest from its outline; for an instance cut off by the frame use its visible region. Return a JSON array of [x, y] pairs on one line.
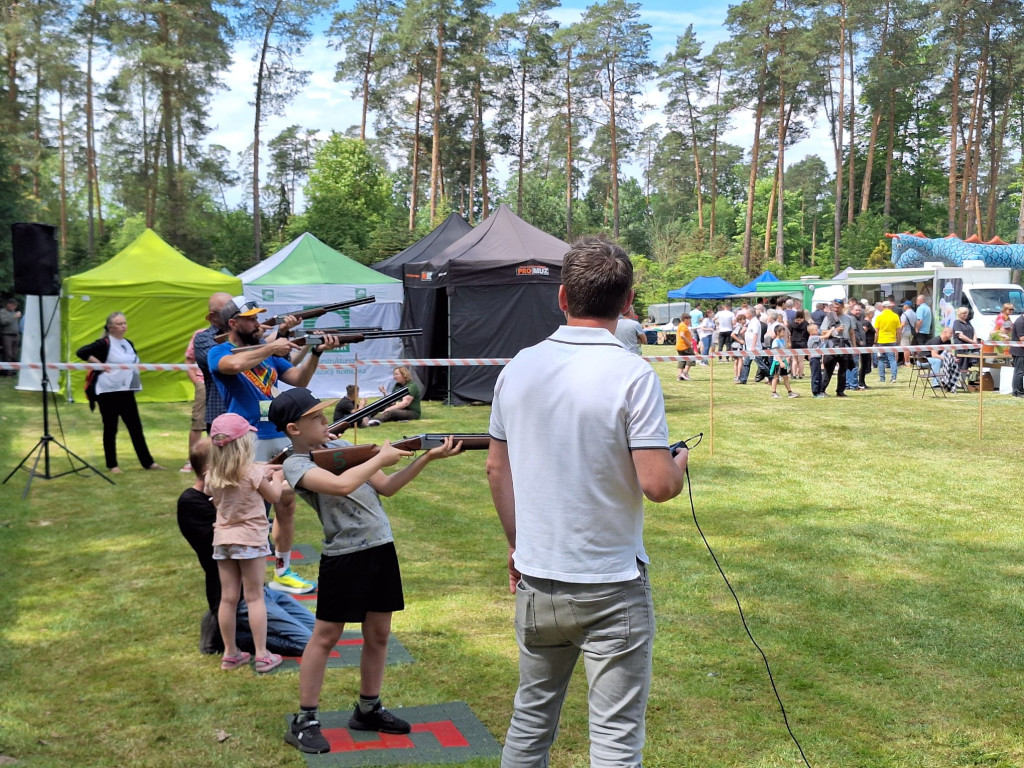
[[326, 105]]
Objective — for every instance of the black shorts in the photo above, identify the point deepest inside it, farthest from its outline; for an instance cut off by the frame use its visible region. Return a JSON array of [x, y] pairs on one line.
[[352, 585]]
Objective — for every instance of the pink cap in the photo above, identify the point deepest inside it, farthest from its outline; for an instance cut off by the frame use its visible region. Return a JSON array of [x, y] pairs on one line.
[[228, 427]]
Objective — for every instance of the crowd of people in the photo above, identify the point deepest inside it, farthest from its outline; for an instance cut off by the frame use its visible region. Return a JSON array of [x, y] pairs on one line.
[[11, 326], [775, 335]]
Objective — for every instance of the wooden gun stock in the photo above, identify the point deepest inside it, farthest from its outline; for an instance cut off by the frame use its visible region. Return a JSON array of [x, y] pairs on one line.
[[337, 460], [355, 417]]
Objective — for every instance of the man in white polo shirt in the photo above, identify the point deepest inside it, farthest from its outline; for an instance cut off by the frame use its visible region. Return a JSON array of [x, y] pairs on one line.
[[579, 437]]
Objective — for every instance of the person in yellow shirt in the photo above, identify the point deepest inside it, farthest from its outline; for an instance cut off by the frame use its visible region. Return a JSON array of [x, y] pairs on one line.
[[887, 325], [684, 346]]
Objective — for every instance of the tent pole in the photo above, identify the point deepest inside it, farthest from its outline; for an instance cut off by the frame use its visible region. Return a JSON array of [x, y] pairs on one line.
[[449, 367]]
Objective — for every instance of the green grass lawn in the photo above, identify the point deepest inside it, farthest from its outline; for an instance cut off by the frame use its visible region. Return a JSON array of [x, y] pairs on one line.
[[875, 543]]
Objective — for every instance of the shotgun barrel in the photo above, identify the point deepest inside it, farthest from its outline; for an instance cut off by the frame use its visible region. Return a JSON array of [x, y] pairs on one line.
[[337, 460]]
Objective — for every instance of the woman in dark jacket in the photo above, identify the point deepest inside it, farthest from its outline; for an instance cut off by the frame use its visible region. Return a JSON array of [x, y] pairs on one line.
[[115, 391]]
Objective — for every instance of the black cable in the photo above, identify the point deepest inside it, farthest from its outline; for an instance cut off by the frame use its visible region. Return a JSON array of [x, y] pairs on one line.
[[743, 618]]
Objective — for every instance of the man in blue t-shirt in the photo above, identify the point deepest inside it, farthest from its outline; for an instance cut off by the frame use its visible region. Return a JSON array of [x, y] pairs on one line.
[[247, 380]]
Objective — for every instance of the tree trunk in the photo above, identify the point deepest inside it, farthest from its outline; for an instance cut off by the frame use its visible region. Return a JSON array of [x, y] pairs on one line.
[[367, 71], [414, 192], [853, 144], [472, 149], [257, 219], [522, 141], [887, 202], [63, 168], [837, 141], [780, 243], [954, 120], [613, 135], [971, 150], [435, 154], [755, 149], [869, 162], [485, 199], [998, 134], [568, 144]]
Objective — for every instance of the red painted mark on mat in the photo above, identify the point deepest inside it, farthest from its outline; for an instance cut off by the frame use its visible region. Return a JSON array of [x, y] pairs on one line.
[[335, 654], [445, 731]]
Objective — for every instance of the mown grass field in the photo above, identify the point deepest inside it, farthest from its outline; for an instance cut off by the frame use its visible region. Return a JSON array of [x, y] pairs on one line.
[[875, 543]]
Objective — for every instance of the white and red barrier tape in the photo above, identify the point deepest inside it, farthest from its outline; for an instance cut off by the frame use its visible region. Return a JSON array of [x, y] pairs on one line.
[[479, 361]]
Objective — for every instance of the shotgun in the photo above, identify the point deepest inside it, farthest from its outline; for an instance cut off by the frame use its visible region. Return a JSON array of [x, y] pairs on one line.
[[353, 418], [307, 314], [337, 460], [345, 338]]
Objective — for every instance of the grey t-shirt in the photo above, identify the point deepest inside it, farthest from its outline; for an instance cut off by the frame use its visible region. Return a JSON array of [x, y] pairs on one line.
[[351, 523]]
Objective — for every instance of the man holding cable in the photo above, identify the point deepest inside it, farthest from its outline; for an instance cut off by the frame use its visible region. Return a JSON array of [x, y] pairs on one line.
[[574, 403], [247, 380]]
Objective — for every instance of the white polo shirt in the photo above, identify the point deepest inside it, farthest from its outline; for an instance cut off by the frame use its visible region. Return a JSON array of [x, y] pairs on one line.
[[571, 408]]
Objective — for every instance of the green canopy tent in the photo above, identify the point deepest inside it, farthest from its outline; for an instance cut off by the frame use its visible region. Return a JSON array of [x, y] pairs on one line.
[[164, 298]]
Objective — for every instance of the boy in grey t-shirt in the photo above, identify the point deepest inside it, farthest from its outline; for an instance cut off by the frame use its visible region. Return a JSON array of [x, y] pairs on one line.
[[359, 576]]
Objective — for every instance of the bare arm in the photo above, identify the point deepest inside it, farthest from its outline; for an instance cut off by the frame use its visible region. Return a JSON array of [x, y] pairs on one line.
[[389, 485], [320, 480], [499, 477], [233, 364], [271, 486], [300, 375], [661, 476]]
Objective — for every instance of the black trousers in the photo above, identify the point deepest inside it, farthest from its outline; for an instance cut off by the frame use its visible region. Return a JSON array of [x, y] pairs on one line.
[[865, 368], [116, 406], [845, 363], [196, 525], [1018, 375]]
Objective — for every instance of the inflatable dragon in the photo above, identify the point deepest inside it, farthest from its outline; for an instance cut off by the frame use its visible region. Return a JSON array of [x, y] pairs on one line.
[[913, 250]]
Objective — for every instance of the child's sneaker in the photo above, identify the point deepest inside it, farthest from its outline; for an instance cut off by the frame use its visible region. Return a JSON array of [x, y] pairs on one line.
[[794, 394], [377, 719], [776, 395], [292, 583], [304, 734]]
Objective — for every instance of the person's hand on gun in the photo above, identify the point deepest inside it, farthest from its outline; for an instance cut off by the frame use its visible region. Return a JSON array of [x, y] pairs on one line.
[[448, 448], [280, 347], [389, 455]]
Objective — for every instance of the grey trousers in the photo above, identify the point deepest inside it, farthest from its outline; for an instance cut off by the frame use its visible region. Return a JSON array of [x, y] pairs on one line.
[[612, 626]]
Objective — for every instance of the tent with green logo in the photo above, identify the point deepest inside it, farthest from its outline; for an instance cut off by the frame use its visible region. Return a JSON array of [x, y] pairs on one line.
[[308, 273], [164, 297]]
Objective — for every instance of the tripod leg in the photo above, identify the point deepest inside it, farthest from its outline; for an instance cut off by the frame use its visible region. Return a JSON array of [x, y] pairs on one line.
[[85, 464]]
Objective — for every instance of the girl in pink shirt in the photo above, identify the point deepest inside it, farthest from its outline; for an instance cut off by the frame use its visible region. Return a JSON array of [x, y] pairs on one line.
[[240, 535]]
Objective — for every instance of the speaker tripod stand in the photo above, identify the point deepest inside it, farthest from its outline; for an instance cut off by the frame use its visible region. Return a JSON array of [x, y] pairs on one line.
[[41, 451]]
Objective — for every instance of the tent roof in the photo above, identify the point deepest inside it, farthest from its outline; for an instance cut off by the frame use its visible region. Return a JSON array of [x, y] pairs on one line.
[[705, 288], [308, 261], [764, 277], [443, 235], [502, 248], [149, 267]]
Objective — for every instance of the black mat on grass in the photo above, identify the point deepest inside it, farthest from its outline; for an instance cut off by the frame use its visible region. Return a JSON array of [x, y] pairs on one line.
[[441, 733]]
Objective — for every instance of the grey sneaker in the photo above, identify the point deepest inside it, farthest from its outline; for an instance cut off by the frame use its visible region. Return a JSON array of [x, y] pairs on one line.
[[377, 719], [304, 734]]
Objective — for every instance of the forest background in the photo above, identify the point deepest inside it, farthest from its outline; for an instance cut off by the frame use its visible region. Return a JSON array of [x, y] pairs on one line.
[[105, 128]]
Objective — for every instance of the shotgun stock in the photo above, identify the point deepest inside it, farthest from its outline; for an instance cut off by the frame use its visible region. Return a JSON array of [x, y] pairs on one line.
[[355, 417], [344, 338], [337, 460]]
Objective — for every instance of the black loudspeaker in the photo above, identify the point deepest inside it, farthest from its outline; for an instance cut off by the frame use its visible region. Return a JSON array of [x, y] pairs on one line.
[[34, 248]]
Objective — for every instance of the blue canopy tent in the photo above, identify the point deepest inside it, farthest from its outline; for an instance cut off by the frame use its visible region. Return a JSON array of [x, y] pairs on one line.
[[751, 287], [704, 288]]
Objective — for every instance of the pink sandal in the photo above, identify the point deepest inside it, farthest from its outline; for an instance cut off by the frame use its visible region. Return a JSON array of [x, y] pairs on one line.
[[234, 662], [266, 663]]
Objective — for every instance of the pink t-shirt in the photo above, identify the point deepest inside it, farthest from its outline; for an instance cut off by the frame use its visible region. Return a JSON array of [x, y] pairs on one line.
[[241, 515]]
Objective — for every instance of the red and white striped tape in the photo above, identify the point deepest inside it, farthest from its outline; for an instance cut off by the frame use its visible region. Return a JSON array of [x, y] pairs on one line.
[[482, 361]]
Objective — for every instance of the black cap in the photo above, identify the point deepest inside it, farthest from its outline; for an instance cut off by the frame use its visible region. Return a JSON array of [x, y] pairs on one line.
[[290, 406]]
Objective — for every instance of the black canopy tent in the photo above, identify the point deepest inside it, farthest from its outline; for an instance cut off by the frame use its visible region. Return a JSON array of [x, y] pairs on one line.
[[428, 246], [488, 295]]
